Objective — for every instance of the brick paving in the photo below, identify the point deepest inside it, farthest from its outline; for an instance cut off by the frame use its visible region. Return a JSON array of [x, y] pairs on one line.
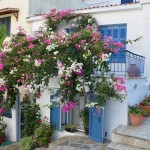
[[67, 143]]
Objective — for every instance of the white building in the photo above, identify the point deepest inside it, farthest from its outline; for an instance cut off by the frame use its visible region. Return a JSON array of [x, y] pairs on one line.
[[123, 22], [127, 21]]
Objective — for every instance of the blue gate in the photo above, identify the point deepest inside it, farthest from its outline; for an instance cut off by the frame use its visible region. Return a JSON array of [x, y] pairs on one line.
[[95, 122], [55, 114]]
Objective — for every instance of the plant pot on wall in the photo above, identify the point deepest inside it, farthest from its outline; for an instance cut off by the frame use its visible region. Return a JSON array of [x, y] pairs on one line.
[[146, 108], [133, 71], [2, 138], [136, 120]]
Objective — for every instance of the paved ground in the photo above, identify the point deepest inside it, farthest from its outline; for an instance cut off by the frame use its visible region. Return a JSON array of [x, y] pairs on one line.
[[67, 143], [77, 143]]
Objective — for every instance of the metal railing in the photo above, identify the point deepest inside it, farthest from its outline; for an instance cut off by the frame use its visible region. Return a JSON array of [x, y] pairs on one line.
[[120, 68]]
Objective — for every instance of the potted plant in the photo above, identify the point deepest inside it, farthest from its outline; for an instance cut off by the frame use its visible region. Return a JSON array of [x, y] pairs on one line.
[[2, 130], [145, 105], [27, 143], [70, 128], [136, 115], [43, 133], [84, 116]]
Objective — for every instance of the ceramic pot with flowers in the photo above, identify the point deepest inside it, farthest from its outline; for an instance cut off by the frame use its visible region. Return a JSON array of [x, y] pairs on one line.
[[136, 115], [133, 71], [145, 105]]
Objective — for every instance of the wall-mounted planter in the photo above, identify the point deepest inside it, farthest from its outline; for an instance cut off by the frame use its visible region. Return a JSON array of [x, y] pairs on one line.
[[133, 71]]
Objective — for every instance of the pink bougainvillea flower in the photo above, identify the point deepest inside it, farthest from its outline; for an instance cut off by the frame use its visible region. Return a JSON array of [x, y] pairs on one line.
[[77, 46], [47, 41], [79, 72], [1, 66], [68, 106], [19, 80], [29, 38], [120, 80], [2, 110], [39, 61], [88, 27], [3, 88], [27, 77], [31, 45], [73, 104]]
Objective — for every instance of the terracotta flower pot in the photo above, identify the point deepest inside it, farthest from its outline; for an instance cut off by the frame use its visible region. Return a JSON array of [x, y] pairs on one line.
[[147, 108], [133, 71], [136, 120], [2, 138]]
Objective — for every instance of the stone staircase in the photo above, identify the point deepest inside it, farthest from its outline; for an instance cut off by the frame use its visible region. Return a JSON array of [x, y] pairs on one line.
[[131, 138]]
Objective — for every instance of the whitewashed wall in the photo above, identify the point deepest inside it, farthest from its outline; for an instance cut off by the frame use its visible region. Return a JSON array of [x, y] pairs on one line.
[[45, 98], [116, 113], [11, 130], [137, 18]]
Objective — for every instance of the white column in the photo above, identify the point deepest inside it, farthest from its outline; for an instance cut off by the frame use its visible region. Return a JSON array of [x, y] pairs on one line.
[[146, 35]]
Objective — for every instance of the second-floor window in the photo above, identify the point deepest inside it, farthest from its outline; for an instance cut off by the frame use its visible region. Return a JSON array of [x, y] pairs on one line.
[[7, 22], [126, 1]]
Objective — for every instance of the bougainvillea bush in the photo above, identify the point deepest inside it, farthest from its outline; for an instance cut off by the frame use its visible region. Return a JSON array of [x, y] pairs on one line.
[[76, 57]]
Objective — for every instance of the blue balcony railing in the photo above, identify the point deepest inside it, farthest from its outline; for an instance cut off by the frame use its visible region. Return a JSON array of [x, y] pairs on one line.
[[119, 68]]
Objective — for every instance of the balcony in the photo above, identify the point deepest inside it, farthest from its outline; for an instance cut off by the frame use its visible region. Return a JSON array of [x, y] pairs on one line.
[[120, 68]]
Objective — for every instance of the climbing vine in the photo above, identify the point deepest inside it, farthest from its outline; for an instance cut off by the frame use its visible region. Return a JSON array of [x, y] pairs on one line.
[[79, 58]]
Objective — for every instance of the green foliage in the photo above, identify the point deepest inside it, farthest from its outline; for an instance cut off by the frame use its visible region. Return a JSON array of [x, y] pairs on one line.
[[32, 60], [132, 41], [70, 127], [31, 118], [84, 116], [27, 143], [2, 126], [146, 101], [43, 133], [135, 110], [3, 34]]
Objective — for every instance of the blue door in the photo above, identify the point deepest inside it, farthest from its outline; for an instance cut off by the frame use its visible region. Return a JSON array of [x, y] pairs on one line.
[[118, 33], [95, 122], [55, 114]]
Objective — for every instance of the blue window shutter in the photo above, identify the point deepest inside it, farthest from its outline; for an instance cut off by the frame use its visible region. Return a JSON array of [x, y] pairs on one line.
[[55, 115], [95, 121], [118, 33], [68, 30], [126, 1], [102, 30]]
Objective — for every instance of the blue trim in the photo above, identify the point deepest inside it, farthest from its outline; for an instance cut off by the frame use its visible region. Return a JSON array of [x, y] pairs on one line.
[[126, 1], [96, 125], [119, 33], [55, 115]]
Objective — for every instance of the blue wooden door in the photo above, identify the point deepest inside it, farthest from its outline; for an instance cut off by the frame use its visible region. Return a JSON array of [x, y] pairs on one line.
[[95, 122], [118, 33], [55, 115]]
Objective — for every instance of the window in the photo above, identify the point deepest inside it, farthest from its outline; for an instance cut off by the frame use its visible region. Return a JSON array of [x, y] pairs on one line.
[[118, 33], [126, 1], [6, 21]]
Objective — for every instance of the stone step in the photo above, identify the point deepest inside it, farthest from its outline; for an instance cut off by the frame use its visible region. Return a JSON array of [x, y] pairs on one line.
[[116, 146], [133, 136]]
